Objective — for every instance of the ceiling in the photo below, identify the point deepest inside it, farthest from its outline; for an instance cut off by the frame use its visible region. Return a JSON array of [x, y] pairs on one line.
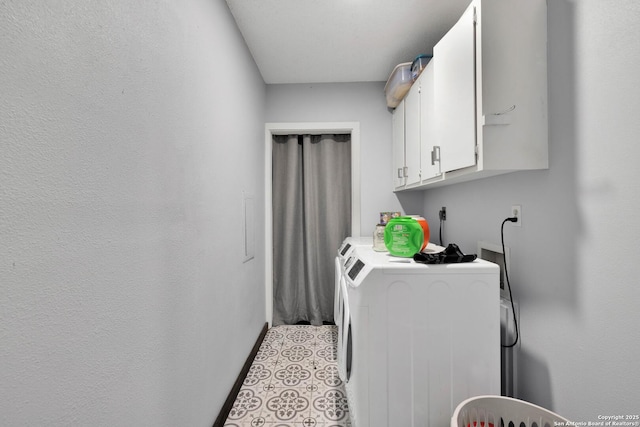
[[314, 41]]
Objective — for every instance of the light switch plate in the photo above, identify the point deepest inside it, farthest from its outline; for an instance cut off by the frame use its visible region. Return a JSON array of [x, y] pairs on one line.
[[249, 226]]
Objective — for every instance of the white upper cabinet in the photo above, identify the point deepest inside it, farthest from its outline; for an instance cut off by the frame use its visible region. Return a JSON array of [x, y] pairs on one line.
[[454, 94], [397, 124], [412, 135], [482, 107], [429, 145], [511, 52]]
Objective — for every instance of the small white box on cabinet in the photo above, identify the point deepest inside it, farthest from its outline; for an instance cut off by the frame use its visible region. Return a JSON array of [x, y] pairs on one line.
[[398, 84]]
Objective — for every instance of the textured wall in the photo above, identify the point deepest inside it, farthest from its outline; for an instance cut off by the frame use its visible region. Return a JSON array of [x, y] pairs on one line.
[[128, 132], [574, 260]]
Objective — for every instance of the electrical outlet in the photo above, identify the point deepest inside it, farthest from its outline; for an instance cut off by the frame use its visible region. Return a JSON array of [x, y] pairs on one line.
[[516, 211], [443, 214]]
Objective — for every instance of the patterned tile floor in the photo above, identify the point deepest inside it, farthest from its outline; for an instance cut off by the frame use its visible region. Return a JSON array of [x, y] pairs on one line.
[[293, 382]]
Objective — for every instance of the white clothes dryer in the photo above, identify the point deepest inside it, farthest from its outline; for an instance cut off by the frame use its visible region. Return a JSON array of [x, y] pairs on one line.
[[342, 261], [419, 339], [344, 251]]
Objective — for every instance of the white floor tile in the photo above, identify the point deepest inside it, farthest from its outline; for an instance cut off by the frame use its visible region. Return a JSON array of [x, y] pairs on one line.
[[293, 382]]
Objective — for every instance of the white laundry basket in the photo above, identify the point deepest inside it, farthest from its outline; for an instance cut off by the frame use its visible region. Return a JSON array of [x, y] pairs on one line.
[[488, 411]]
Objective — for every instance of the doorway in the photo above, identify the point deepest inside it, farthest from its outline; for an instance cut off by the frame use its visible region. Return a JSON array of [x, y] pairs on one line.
[[271, 129]]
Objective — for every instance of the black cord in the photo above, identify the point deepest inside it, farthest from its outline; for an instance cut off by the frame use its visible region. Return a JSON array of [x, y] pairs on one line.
[[506, 275]]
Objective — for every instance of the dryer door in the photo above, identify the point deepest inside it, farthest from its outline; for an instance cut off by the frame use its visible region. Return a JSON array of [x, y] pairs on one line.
[[340, 315], [343, 330], [336, 296], [348, 350]]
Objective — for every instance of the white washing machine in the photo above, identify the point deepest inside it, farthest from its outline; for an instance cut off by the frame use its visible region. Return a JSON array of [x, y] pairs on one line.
[[419, 339]]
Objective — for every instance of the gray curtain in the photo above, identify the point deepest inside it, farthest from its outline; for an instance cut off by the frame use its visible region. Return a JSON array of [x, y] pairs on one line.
[[311, 217]]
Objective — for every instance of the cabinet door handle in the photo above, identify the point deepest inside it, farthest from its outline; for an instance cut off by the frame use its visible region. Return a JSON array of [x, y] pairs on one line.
[[406, 171], [435, 154], [400, 173]]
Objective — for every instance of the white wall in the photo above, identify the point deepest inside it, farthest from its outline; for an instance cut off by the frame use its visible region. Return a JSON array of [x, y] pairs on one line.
[[347, 102], [128, 132], [575, 261]]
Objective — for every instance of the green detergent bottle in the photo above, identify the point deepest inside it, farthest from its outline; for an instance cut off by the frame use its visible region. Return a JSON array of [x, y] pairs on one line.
[[404, 237]]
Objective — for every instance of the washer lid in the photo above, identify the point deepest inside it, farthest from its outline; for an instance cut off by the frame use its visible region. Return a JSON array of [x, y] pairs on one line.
[[364, 260]]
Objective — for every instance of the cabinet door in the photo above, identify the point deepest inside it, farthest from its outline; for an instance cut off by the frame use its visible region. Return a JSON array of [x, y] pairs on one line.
[[454, 70], [429, 153], [397, 120], [412, 118]]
